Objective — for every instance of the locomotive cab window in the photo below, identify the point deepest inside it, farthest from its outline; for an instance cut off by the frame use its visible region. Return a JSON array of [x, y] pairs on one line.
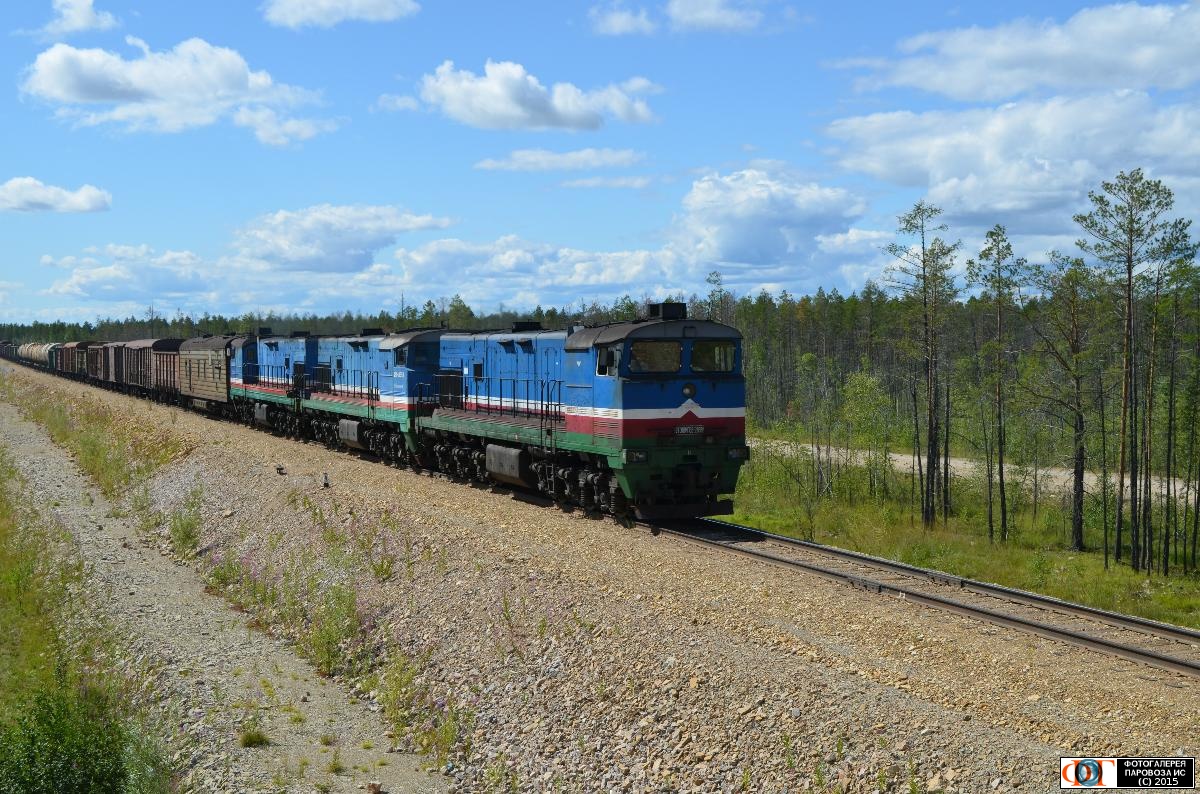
[[478, 370], [713, 356], [655, 356], [608, 359], [401, 354], [339, 364]]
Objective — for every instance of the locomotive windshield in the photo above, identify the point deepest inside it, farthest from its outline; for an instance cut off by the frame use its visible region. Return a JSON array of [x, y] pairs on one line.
[[713, 356], [655, 356]]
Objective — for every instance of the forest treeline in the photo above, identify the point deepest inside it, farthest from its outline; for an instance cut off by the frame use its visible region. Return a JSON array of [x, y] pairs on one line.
[[1089, 360]]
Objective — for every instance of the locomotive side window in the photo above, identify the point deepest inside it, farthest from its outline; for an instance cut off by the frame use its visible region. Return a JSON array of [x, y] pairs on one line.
[[712, 356], [655, 356], [402, 356], [608, 359], [339, 364]]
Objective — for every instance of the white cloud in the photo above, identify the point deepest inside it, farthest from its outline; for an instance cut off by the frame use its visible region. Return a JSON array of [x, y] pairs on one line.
[[1031, 159], [853, 240], [273, 130], [26, 194], [68, 262], [134, 273], [519, 272], [1108, 47], [546, 160], [77, 16], [325, 237], [712, 15], [396, 102], [628, 182], [192, 85], [760, 217], [327, 13], [505, 96], [615, 19]]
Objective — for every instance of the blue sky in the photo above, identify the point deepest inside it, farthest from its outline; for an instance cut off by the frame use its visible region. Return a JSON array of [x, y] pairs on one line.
[[353, 154]]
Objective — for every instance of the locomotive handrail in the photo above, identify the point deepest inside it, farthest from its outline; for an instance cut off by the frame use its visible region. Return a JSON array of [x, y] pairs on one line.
[[362, 384], [494, 395]]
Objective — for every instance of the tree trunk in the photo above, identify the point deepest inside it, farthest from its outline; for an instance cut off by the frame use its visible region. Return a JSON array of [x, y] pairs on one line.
[[1170, 514], [946, 463], [1080, 462], [1103, 467], [1036, 469], [915, 477], [1135, 557], [1126, 392], [1147, 531]]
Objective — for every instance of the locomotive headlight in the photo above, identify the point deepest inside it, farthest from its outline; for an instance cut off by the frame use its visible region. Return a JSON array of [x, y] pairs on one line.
[[634, 456], [738, 453], [689, 390]]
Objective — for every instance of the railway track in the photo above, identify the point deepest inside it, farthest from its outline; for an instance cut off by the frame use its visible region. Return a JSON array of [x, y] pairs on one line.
[[1125, 636]]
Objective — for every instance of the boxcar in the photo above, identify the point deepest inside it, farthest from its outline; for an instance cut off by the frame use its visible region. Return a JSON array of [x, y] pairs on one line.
[[94, 368], [113, 364], [80, 366], [202, 372], [164, 358], [150, 365], [66, 358]]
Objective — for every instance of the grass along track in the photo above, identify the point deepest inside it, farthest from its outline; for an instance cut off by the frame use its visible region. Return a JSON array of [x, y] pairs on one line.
[[1129, 637]]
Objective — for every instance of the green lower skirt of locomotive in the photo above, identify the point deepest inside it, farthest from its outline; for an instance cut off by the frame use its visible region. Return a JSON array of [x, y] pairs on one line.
[[646, 478]]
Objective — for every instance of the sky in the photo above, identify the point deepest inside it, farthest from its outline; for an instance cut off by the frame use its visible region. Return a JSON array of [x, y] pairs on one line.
[[330, 155]]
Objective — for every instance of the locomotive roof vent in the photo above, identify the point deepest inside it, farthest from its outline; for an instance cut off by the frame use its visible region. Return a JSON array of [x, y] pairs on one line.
[[668, 311], [264, 331], [526, 325], [372, 332]]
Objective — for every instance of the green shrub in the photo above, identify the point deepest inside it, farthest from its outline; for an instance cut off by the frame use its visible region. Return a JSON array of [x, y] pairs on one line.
[[253, 736], [64, 741], [185, 526], [333, 628], [76, 739]]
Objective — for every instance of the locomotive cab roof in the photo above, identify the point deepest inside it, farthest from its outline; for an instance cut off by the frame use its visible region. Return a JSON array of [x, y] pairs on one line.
[[649, 329], [402, 338]]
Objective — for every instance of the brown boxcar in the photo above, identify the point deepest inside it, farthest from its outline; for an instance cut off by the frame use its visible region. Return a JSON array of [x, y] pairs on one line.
[[166, 367], [150, 364], [203, 370], [113, 364], [94, 368], [66, 358], [81, 358]]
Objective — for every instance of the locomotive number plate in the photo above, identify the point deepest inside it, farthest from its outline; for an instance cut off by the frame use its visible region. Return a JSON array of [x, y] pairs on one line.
[[689, 430]]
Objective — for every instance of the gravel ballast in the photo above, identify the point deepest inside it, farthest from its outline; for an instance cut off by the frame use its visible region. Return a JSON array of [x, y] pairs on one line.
[[593, 657]]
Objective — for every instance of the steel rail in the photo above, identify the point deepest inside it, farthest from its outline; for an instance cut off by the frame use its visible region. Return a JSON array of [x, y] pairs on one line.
[[1116, 619], [1128, 652]]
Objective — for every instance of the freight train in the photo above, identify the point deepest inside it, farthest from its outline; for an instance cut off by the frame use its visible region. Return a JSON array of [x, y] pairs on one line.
[[642, 419]]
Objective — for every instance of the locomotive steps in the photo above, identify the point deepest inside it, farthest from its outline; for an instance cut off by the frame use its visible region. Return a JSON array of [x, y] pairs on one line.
[[564, 650]]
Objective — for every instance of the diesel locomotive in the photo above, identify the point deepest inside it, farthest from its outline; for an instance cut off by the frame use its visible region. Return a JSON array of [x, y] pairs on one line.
[[641, 419]]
